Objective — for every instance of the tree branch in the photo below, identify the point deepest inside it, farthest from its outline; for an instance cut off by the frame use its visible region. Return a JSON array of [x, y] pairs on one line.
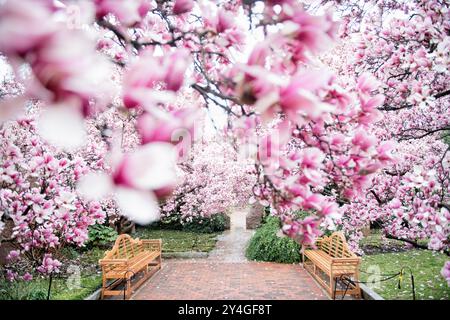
[[414, 243], [442, 94]]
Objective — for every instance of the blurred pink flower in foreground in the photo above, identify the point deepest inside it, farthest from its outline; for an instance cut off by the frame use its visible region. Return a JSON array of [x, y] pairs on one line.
[[135, 179], [182, 6]]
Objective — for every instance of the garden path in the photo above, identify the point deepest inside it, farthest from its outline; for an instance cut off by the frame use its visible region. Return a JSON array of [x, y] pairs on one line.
[[231, 244], [227, 274]]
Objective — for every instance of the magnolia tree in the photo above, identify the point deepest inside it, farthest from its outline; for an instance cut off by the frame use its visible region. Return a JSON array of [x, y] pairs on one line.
[[213, 178], [40, 183], [316, 133], [38, 194], [404, 44]]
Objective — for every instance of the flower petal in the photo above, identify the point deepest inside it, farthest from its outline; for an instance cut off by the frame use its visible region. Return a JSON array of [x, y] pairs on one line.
[[62, 126], [139, 206]]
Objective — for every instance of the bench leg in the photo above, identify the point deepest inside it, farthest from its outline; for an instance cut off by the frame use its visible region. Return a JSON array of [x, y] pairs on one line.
[[128, 288], [103, 287], [358, 289], [332, 287]]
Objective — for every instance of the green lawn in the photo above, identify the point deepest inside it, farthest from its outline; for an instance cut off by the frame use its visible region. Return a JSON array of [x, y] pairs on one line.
[[63, 287], [375, 242], [425, 265], [375, 239], [179, 241]]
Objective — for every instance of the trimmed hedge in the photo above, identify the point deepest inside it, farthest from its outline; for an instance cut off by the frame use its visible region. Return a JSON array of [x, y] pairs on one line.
[[215, 223], [265, 245]]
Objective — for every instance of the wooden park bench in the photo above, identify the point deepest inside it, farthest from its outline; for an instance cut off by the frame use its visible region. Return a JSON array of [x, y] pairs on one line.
[[128, 259], [333, 258]]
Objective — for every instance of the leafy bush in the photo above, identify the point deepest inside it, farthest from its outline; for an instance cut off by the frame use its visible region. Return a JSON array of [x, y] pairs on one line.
[[265, 245], [20, 290], [171, 222], [100, 235], [215, 223]]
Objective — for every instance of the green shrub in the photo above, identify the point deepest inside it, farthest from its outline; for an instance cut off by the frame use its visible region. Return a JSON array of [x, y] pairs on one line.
[[215, 223], [170, 222], [265, 245], [100, 235], [20, 290]]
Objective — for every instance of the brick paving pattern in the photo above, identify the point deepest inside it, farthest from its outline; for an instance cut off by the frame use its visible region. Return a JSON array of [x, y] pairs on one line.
[[226, 274], [200, 279]]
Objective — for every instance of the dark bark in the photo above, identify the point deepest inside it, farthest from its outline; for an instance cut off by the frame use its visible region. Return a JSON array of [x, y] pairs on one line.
[[442, 94], [414, 243]]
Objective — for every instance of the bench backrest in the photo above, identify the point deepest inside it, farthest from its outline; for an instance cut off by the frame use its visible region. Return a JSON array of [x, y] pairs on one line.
[[336, 246], [125, 247]]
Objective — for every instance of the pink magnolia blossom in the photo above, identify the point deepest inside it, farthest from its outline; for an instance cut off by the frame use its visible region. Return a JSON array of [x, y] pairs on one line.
[[136, 176], [13, 255], [182, 6], [129, 12], [305, 231], [27, 277], [313, 33], [22, 29], [167, 127], [367, 83], [11, 275], [49, 265], [176, 64], [297, 102], [146, 74], [225, 21]]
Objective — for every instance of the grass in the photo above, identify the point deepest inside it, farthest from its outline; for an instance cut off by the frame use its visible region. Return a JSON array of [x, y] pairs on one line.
[[425, 265], [62, 290], [65, 287], [375, 239], [388, 256], [179, 241], [375, 242]]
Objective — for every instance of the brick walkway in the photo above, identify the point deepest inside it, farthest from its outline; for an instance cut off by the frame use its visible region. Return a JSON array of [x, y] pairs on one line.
[[226, 274], [201, 279]]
